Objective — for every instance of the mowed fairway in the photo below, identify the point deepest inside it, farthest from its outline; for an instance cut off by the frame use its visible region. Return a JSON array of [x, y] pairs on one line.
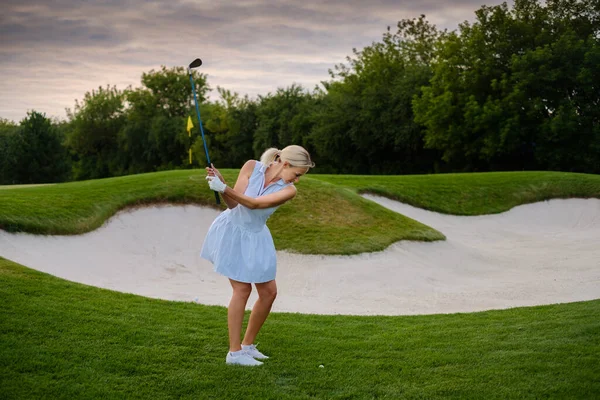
[[66, 340], [61, 339]]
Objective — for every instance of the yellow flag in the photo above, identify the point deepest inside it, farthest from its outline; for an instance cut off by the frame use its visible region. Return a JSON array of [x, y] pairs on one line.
[[189, 126]]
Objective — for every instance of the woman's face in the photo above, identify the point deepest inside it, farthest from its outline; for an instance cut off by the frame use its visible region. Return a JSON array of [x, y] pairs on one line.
[[292, 174]]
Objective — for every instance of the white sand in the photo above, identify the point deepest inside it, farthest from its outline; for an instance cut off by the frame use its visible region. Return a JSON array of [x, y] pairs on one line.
[[541, 253]]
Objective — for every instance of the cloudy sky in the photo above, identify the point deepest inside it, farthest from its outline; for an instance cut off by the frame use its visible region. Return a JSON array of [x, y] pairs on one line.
[[53, 52]]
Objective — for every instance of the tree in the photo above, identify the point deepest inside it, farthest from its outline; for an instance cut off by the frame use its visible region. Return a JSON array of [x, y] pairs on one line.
[[243, 121], [92, 133], [366, 122], [283, 118], [230, 124], [154, 135], [8, 159], [171, 90], [36, 152], [517, 89]]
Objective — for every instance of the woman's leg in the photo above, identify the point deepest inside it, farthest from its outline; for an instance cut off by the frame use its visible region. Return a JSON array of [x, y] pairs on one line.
[[266, 296], [235, 312]]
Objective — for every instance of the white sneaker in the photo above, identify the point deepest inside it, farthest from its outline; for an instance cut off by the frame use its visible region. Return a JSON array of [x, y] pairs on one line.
[[253, 352], [241, 358]]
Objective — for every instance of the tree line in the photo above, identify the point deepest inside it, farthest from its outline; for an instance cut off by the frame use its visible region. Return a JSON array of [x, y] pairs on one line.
[[517, 89]]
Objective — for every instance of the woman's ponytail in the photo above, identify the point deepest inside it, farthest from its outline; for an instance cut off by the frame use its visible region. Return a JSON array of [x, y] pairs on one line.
[[270, 155]]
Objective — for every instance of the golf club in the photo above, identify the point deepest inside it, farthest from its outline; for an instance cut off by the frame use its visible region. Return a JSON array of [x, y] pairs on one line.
[[195, 64]]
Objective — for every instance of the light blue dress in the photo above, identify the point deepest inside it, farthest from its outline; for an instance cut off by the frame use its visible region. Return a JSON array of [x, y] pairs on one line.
[[239, 243]]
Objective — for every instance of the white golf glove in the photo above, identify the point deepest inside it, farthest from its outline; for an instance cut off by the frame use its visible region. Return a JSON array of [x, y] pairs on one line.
[[215, 184]]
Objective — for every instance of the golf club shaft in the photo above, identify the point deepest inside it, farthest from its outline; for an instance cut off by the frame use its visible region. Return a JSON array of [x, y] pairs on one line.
[[202, 129]]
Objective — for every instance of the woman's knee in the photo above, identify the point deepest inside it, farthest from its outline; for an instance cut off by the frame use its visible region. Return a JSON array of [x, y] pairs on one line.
[[242, 290], [268, 292]]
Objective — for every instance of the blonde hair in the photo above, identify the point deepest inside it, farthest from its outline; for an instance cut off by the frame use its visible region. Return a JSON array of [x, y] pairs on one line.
[[297, 156]]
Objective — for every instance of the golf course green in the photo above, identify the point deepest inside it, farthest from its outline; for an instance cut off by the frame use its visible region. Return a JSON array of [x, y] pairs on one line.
[[61, 339]]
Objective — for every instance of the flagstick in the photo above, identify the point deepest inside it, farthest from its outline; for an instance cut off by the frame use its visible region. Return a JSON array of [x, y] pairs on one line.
[[190, 125]]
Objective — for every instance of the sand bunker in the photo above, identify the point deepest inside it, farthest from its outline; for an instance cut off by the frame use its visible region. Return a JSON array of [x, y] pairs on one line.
[[542, 253]]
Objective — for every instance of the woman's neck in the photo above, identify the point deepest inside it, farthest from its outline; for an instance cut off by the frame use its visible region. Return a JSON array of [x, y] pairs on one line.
[[272, 173]]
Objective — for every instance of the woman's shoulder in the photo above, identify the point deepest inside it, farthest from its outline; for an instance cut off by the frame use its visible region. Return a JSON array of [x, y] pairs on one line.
[[251, 168], [250, 165]]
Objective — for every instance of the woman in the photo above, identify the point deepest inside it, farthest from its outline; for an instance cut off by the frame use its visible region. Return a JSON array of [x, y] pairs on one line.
[[240, 245]]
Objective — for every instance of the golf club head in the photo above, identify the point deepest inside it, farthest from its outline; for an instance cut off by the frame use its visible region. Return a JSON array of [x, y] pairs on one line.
[[196, 63]]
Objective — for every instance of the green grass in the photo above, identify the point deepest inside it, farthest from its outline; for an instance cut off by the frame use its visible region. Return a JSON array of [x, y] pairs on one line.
[[6, 187], [328, 216], [311, 223], [78, 207], [60, 339], [473, 193]]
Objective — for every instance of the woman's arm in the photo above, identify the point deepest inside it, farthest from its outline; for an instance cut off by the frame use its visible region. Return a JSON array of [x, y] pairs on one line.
[[240, 185], [270, 200], [235, 196], [229, 201]]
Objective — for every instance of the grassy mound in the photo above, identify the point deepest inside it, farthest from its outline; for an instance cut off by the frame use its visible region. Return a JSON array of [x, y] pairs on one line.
[[328, 216]]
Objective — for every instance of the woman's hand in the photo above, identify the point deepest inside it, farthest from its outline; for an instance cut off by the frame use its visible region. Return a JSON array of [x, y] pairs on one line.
[[215, 184], [212, 171]]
